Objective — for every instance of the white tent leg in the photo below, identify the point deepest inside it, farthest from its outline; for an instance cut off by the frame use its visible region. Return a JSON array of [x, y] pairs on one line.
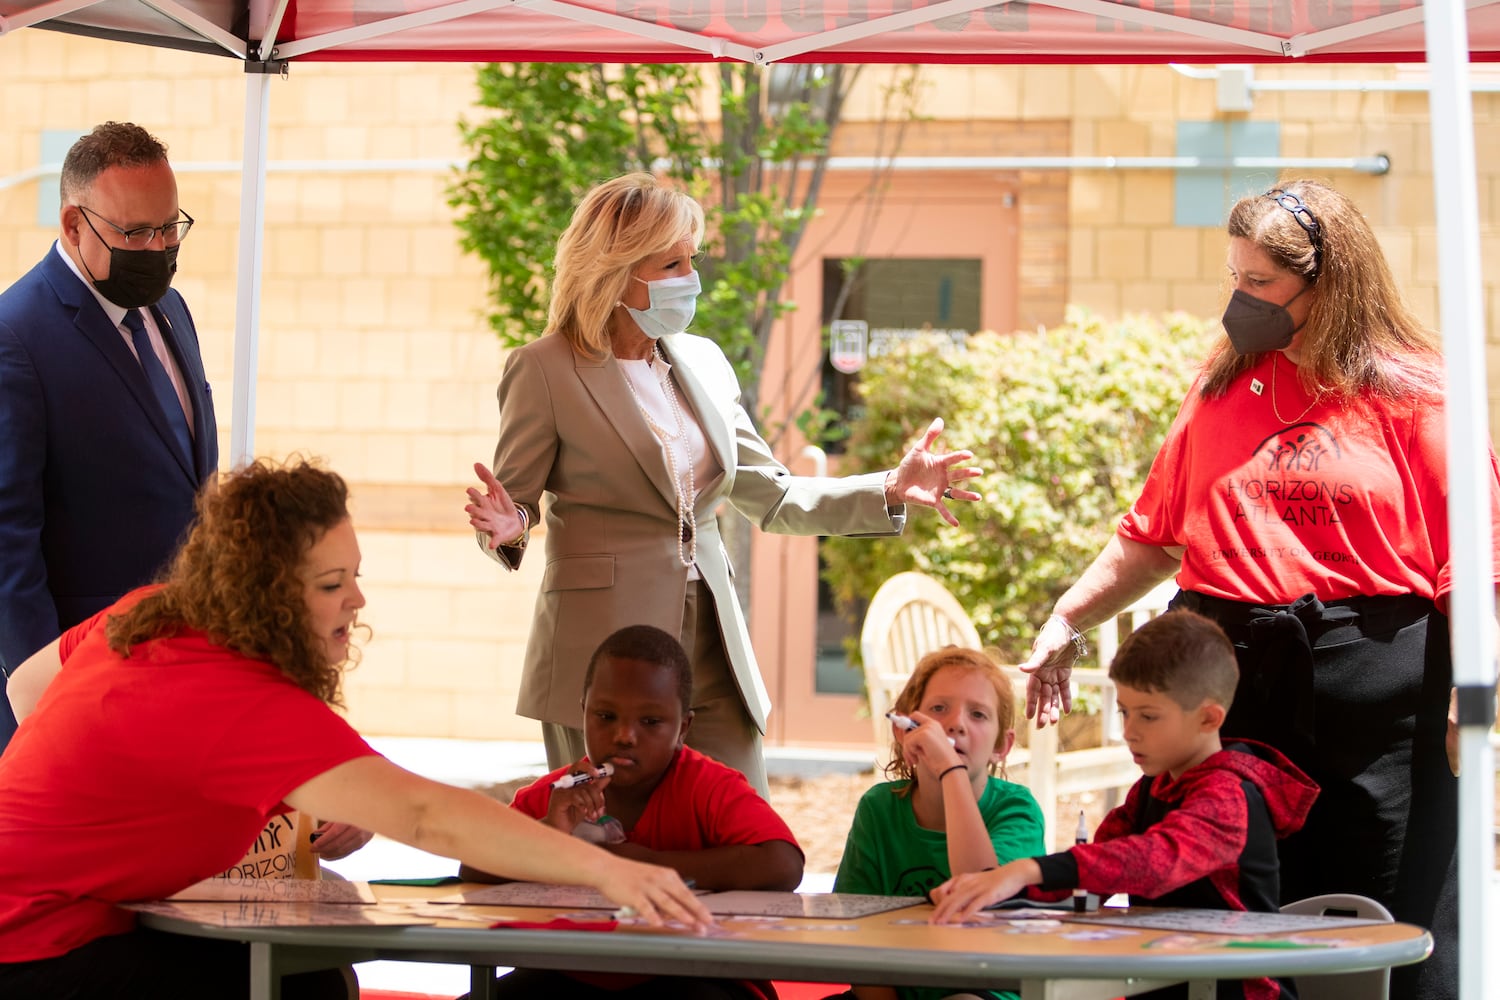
[[1472, 598], [247, 281]]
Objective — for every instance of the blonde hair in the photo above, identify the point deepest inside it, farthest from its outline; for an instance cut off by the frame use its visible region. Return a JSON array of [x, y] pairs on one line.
[[619, 224], [1360, 336], [910, 700]]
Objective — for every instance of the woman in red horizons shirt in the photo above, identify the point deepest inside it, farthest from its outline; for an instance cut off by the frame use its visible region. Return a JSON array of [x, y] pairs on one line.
[[1300, 499], [158, 737]]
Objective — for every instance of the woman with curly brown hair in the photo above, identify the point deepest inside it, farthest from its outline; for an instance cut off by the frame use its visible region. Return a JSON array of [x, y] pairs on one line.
[[160, 735]]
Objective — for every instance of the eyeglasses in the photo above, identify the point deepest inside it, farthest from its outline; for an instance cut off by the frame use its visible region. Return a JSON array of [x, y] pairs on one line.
[[143, 236], [1305, 219]]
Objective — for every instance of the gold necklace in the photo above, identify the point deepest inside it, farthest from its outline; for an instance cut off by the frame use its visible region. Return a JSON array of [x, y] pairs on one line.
[[1275, 363]]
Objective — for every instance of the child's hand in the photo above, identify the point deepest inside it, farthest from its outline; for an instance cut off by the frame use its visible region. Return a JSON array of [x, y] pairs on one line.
[[582, 803], [963, 896], [929, 744]]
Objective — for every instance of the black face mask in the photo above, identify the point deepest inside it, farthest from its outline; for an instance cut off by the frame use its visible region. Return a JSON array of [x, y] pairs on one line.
[[1255, 325], [137, 278]]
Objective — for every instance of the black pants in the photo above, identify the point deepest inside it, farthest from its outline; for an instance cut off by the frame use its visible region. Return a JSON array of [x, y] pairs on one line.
[[1355, 692], [149, 965]]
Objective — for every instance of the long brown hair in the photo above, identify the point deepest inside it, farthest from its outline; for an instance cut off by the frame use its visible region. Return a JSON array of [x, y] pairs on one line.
[[1360, 336], [910, 699], [238, 579]]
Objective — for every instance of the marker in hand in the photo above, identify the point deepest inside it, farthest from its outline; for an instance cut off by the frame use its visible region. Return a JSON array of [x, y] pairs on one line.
[[583, 777], [907, 723], [1081, 896]]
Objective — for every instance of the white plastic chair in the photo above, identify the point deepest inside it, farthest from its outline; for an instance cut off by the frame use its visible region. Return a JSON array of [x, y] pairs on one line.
[[910, 616], [1373, 984]]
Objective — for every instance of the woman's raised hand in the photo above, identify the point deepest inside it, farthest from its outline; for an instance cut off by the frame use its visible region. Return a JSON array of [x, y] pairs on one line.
[[929, 477], [493, 511]]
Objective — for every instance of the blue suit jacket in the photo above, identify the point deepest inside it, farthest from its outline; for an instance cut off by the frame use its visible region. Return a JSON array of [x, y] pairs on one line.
[[95, 494]]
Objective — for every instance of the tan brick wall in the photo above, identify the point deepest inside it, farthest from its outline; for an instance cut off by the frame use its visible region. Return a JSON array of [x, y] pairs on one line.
[[374, 352]]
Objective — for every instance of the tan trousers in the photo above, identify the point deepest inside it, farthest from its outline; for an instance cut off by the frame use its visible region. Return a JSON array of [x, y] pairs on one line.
[[722, 727]]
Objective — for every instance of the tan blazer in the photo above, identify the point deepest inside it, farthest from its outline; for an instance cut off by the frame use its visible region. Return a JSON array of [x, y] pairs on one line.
[[570, 431]]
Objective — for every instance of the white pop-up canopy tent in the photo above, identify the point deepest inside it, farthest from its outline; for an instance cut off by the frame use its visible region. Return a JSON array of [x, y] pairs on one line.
[[266, 35]]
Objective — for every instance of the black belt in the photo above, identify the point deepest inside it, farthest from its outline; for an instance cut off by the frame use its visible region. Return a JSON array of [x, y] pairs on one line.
[[1275, 699], [1371, 615]]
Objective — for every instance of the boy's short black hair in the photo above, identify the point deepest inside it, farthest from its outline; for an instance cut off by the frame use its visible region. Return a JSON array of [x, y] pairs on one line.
[[1181, 654], [648, 644]]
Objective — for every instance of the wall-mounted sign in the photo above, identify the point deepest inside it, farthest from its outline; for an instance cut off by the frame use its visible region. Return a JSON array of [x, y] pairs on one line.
[[847, 340], [883, 340]]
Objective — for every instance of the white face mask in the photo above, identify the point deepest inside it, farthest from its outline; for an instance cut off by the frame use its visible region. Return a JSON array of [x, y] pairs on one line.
[[673, 302]]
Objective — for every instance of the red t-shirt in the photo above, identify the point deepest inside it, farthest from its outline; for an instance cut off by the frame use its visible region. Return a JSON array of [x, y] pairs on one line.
[[1351, 499], [699, 803], [137, 777]]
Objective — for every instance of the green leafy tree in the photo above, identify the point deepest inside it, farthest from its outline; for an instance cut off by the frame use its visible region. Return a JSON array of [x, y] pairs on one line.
[[1065, 420], [751, 143]]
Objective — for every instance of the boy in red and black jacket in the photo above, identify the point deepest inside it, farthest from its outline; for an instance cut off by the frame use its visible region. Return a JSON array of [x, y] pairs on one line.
[[1200, 827]]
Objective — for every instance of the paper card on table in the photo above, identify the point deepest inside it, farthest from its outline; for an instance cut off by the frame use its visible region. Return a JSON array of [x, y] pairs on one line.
[[570, 897], [278, 890], [815, 905], [1219, 921], [264, 914], [442, 911]]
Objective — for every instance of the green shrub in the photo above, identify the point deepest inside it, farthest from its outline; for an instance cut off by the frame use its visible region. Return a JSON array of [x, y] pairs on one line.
[[1065, 422]]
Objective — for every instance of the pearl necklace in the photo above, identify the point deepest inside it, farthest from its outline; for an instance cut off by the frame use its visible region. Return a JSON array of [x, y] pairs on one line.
[[1275, 363], [682, 479]]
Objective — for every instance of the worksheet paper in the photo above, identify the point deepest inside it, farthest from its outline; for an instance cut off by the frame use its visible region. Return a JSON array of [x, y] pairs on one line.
[[741, 903], [1218, 921]]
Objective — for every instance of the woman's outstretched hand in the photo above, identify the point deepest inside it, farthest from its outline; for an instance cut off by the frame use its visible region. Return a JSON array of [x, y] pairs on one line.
[[929, 477], [653, 893], [493, 511], [1048, 694]]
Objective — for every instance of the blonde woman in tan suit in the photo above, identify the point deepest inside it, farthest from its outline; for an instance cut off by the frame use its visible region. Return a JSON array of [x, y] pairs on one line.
[[634, 432]]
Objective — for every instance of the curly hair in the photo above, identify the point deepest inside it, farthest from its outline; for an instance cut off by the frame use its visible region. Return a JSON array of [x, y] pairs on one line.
[[1360, 336], [237, 578], [910, 699], [113, 144], [619, 224]]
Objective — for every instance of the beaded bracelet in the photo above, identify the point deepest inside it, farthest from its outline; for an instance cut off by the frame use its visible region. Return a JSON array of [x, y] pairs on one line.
[[948, 770], [1080, 644]]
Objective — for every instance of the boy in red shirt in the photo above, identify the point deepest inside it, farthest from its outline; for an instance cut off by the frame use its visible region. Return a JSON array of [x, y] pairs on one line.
[[672, 805], [1200, 827]]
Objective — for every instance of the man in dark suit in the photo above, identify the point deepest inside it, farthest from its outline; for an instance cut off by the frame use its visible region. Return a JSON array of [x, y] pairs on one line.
[[107, 424]]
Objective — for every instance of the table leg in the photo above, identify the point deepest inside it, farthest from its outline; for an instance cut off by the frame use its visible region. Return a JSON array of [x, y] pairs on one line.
[[482, 982], [265, 981]]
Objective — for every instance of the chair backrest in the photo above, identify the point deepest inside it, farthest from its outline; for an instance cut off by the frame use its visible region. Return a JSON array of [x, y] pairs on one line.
[[1373, 984], [910, 616]]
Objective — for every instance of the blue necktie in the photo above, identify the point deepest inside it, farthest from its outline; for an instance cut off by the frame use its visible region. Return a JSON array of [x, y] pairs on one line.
[[161, 384]]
